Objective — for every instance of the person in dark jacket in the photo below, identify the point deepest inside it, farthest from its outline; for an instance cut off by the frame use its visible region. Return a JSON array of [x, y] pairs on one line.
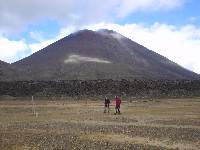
[[117, 105], [107, 105]]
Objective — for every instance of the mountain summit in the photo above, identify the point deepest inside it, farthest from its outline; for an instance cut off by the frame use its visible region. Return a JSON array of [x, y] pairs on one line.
[[103, 54]]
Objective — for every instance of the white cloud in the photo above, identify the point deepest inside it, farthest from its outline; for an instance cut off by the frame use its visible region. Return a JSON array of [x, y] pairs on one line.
[[74, 12], [9, 49], [130, 6]]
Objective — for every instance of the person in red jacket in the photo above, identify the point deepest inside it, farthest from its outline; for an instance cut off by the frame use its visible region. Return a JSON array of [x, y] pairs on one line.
[[117, 105]]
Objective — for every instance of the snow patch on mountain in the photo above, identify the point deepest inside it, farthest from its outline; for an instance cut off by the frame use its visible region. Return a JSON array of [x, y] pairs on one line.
[[78, 59]]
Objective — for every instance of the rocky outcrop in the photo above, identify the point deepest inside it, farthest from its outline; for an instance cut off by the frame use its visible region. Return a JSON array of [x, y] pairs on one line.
[[96, 88]]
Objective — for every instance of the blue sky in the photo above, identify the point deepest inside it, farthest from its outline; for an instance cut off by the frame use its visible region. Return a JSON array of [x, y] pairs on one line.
[[179, 16], [168, 27]]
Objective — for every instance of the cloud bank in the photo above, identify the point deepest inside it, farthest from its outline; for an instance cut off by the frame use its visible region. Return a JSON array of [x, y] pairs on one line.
[[12, 50], [16, 14]]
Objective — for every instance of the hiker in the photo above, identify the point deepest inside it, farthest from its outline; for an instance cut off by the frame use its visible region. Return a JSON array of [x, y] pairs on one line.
[[107, 105], [117, 105]]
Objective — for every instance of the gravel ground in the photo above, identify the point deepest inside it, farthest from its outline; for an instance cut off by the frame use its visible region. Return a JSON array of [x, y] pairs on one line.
[[70, 125]]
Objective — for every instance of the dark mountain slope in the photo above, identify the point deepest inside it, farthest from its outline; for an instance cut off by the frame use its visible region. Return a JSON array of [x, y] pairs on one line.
[[8, 72]]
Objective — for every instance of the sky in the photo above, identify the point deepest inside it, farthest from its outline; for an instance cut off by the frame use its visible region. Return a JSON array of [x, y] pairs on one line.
[[168, 27]]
